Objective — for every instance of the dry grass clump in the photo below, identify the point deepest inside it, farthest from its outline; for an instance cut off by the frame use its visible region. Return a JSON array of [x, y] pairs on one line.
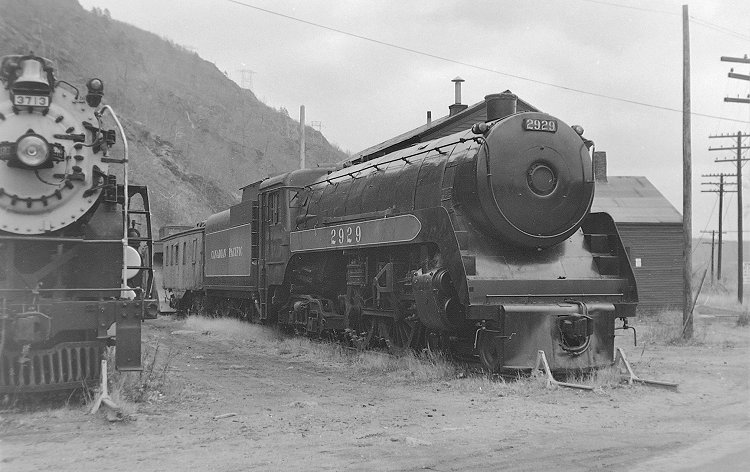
[[668, 328], [127, 389], [525, 384], [411, 366], [234, 329], [744, 318]]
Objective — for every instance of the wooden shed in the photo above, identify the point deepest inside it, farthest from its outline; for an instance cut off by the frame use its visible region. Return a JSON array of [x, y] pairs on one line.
[[651, 230]]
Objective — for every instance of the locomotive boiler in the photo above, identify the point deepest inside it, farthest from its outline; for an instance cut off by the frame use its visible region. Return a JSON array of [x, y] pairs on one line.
[[480, 243], [75, 243]]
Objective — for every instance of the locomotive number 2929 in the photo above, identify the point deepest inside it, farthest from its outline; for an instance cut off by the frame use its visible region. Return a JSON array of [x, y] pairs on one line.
[[532, 124], [346, 235]]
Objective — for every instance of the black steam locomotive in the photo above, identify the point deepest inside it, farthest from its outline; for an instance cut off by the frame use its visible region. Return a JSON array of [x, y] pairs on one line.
[[73, 262], [480, 243]]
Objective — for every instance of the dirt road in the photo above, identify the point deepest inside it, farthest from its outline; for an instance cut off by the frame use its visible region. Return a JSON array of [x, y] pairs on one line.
[[240, 399]]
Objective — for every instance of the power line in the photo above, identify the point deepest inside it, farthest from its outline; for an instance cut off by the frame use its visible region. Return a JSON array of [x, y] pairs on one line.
[[631, 7], [474, 66], [698, 21], [720, 29]]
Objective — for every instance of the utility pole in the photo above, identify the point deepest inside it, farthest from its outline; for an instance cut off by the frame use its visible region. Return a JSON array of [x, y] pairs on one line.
[[738, 148], [721, 191], [687, 185], [302, 137], [713, 246]]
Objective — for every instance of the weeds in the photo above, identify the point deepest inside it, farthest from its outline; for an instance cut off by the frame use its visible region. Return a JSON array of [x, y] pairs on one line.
[[668, 328], [743, 319], [146, 386]]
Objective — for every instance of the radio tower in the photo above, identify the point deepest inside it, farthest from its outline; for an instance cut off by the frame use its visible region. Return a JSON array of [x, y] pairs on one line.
[[246, 78]]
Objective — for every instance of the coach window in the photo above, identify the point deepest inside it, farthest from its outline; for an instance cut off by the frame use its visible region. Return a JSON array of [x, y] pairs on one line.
[[177, 253], [195, 249]]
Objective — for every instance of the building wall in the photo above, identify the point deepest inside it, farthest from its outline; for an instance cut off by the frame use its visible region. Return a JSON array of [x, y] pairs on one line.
[[657, 249]]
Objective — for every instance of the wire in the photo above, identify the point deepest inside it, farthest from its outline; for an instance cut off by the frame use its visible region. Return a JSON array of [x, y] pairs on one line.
[[698, 21], [721, 29], [708, 222], [665, 12], [485, 69]]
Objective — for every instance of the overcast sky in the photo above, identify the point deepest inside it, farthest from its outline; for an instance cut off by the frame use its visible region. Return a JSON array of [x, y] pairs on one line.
[[363, 92]]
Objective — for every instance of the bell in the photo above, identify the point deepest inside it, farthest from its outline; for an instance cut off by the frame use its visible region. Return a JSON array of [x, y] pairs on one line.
[[32, 77]]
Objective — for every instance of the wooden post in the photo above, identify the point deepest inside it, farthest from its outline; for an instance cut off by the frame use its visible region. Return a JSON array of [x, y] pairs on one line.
[[713, 244], [302, 137], [740, 209], [721, 191], [721, 229], [687, 184]]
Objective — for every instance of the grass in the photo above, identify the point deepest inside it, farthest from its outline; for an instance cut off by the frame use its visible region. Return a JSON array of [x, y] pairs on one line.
[[409, 367], [153, 383], [723, 330], [667, 328]]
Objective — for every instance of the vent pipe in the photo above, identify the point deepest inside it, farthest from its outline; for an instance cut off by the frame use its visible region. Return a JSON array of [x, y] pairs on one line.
[[500, 105], [457, 107]]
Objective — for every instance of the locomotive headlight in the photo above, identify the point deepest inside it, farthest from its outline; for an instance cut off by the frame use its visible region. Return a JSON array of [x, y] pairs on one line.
[[32, 150], [95, 88], [578, 129]]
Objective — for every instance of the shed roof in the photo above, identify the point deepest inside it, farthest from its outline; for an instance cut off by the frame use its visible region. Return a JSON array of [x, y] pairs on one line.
[[633, 199]]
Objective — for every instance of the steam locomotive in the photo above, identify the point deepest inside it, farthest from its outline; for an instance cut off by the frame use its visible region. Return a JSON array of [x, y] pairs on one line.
[[73, 261], [480, 243]]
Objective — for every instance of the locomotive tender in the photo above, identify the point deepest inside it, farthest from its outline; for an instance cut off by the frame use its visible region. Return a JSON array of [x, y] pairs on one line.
[[72, 262], [481, 243]]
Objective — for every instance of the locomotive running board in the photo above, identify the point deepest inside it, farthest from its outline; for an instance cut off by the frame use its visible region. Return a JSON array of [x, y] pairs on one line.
[[542, 364], [631, 377]]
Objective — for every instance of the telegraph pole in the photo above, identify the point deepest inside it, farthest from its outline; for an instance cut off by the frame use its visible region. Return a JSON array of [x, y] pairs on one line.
[[713, 247], [738, 148], [301, 136], [687, 219], [721, 191]]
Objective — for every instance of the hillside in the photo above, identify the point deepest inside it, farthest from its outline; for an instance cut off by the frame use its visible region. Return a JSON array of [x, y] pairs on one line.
[[195, 136]]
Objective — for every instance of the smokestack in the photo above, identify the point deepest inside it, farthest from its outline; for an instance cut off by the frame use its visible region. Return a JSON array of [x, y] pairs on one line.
[[457, 107], [600, 166], [500, 105], [429, 117]]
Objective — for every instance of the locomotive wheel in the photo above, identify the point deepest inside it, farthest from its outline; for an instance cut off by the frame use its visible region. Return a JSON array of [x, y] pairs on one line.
[[399, 334], [362, 343], [197, 306], [490, 352]]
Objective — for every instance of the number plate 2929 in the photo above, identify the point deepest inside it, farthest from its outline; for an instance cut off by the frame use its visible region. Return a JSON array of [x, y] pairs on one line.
[[534, 124]]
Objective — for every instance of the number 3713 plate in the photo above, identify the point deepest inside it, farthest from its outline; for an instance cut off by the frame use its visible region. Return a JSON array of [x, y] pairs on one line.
[[31, 100], [534, 124]]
